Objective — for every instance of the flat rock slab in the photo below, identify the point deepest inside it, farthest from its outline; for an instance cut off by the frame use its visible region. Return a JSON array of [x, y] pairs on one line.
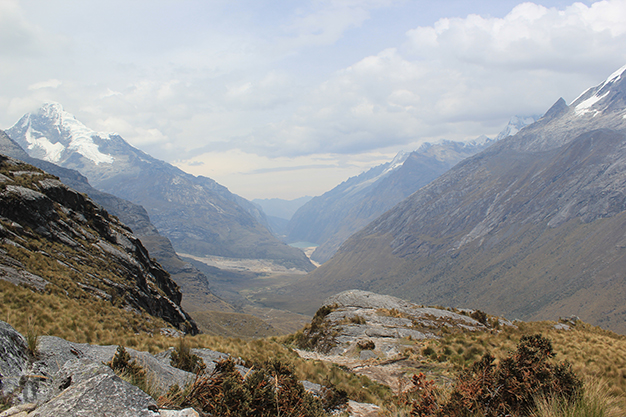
[[84, 388], [54, 352], [361, 316]]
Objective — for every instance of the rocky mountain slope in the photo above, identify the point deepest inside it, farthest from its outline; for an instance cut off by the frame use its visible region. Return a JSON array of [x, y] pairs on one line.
[[194, 284], [65, 379], [331, 218], [532, 227], [56, 240], [197, 214]]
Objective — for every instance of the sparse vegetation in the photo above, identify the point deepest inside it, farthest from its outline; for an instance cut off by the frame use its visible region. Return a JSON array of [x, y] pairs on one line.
[[32, 340], [594, 401], [318, 334], [509, 387], [182, 358], [356, 319], [366, 345], [272, 390], [128, 369], [480, 316], [5, 402]]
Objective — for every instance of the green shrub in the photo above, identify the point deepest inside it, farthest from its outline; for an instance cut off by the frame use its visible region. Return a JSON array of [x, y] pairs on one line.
[[128, 370], [182, 358]]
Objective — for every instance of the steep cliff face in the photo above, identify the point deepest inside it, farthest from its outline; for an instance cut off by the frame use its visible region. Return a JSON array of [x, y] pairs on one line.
[[533, 227], [56, 239]]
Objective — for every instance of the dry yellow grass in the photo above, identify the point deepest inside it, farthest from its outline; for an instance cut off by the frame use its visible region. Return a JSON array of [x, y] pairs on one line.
[[98, 322]]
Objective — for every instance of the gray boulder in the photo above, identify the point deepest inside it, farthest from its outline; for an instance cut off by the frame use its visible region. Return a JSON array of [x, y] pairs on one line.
[[54, 353], [85, 388]]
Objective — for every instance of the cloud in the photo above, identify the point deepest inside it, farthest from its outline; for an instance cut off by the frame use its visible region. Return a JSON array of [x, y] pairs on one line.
[[324, 22], [460, 78], [530, 37], [280, 82], [53, 83]]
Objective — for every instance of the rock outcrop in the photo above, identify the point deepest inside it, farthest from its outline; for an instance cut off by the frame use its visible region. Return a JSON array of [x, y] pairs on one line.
[[193, 283], [41, 217], [363, 323]]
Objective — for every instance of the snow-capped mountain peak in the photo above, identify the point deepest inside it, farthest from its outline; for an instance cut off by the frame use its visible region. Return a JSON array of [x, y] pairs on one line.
[[66, 136], [516, 123], [586, 102], [396, 162]]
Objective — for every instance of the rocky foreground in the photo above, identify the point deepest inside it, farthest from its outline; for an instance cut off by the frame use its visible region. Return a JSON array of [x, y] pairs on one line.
[[64, 379], [71, 379]]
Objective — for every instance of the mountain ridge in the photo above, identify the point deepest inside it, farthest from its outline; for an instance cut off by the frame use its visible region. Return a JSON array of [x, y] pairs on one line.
[[531, 227], [332, 217]]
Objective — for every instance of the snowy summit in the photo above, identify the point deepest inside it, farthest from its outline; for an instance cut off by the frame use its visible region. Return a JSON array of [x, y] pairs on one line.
[[67, 136]]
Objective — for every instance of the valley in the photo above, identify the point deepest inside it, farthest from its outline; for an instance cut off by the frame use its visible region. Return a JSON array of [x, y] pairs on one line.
[[427, 268]]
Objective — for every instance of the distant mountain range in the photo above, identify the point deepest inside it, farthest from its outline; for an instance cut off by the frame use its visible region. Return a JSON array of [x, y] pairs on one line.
[[198, 215], [279, 211], [331, 218], [533, 227]]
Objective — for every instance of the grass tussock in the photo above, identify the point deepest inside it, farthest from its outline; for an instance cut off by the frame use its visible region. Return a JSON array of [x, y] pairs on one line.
[[594, 401]]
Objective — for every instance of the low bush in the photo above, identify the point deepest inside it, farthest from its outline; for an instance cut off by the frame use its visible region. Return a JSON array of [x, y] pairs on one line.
[[366, 345], [128, 370], [182, 358], [269, 391], [318, 334], [480, 316], [509, 388]]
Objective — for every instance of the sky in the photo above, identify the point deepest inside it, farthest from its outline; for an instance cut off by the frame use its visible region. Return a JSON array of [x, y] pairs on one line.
[[286, 98]]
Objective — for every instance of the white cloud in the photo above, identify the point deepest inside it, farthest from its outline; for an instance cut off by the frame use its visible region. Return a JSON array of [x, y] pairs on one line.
[[531, 36], [53, 83], [324, 22], [461, 77]]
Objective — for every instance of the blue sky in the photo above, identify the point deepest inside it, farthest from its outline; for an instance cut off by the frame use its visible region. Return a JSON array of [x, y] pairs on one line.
[[289, 98]]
